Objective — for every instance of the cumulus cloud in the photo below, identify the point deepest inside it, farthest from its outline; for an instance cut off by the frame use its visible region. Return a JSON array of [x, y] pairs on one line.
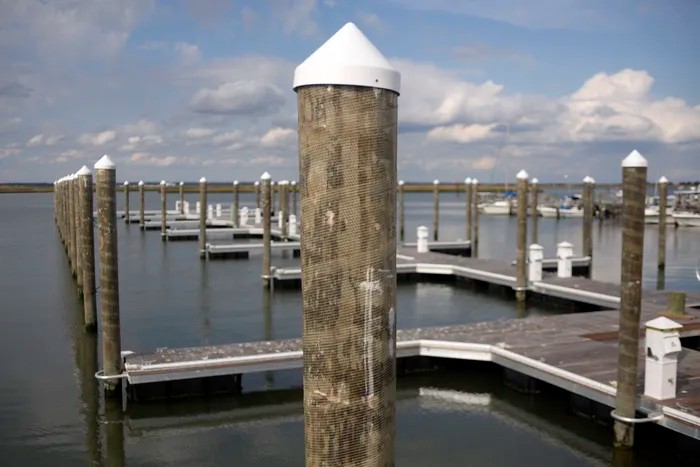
[[484, 163], [278, 137], [239, 98], [188, 53], [145, 158], [43, 140], [199, 133], [460, 133], [97, 139], [370, 20]]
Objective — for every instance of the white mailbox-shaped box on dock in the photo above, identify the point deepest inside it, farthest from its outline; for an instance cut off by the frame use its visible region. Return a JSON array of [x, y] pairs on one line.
[[662, 346], [535, 257], [565, 251], [422, 244]]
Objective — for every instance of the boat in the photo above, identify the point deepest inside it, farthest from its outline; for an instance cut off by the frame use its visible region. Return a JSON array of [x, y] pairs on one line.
[[686, 211], [500, 207], [570, 207], [651, 215]]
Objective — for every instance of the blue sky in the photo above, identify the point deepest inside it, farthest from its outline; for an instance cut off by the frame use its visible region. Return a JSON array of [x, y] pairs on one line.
[[179, 89]]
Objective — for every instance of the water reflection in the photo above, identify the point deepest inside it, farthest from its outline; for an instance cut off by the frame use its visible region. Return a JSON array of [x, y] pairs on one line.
[[114, 433]]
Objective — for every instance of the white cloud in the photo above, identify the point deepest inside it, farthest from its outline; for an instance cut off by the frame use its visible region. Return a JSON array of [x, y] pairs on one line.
[[198, 133], [97, 139], [370, 20], [484, 163], [188, 53], [43, 140], [296, 16], [145, 158], [459, 133], [239, 98], [278, 137]]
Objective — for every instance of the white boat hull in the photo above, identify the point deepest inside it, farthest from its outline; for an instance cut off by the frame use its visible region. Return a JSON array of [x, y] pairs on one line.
[[547, 211], [499, 208], [687, 219]]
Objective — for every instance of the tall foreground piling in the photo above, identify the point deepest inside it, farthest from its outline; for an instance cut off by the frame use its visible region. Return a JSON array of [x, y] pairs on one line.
[[142, 205], [202, 217], [436, 209], [468, 208], [234, 207], [588, 199], [126, 202], [347, 95], [475, 218], [401, 212], [521, 241], [163, 209], [663, 199], [87, 247], [266, 188], [634, 180], [534, 213], [105, 172]]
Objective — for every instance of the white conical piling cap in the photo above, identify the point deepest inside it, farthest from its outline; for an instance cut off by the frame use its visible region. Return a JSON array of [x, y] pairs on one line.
[[294, 182], [534, 181], [663, 324], [140, 182], [348, 58], [522, 175], [182, 183], [265, 176], [256, 183], [475, 181], [436, 182], [162, 183], [401, 182], [663, 179], [203, 180], [105, 164], [634, 159], [83, 171], [126, 182], [468, 181], [588, 179], [235, 183]]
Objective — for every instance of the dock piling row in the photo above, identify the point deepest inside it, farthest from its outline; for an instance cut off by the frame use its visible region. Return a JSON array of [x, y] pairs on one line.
[[521, 238], [87, 248]]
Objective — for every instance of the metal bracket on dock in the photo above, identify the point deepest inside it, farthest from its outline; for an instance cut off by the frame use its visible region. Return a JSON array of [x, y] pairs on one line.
[[653, 417], [101, 376]]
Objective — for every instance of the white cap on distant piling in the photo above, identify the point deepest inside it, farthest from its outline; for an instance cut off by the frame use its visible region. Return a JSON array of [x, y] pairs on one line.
[[587, 179], [634, 159], [105, 163], [534, 181], [235, 182], [436, 182], [162, 182], [348, 58], [140, 182], [663, 179], [182, 183], [401, 182], [265, 176], [468, 181], [475, 181], [257, 182], [83, 171], [203, 180], [522, 175], [591, 180], [294, 182], [126, 182]]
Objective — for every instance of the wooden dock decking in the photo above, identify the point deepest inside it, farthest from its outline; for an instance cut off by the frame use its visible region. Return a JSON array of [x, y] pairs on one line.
[[576, 352]]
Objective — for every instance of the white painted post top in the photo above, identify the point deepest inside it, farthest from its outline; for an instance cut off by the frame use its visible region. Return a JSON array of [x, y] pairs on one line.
[[587, 179], [401, 182], [105, 163], [182, 183], [535, 246], [256, 183], [140, 182], [126, 183], [662, 324], [162, 183], [534, 181], [265, 176], [436, 182], [83, 171], [348, 58], [475, 181], [468, 181], [634, 159], [203, 180], [663, 179], [235, 182], [565, 245], [294, 182], [522, 175]]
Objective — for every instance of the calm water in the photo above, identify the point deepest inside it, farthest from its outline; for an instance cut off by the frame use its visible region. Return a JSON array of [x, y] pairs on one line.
[[50, 412]]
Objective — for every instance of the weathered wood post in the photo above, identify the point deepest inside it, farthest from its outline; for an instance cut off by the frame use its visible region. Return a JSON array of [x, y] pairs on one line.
[[126, 202], [401, 212], [71, 223], [676, 304], [663, 200], [106, 171], [78, 247], [475, 221], [142, 205], [534, 213], [163, 210], [203, 217], [634, 182], [468, 208], [257, 194], [347, 95], [87, 248], [234, 207], [266, 188], [521, 245], [182, 197], [436, 209], [283, 214], [588, 198], [294, 198]]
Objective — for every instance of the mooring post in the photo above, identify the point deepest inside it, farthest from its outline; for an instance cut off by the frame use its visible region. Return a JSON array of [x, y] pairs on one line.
[[676, 304], [105, 174], [436, 209], [257, 194], [181, 192], [535, 257], [294, 198], [87, 248], [521, 260], [282, 214], [266, 188], [663, 199], [203, 217], [142, 205], [126, 202], [163, 209], [347, 96], [468, 208], [588, 198], [71, 221], [401, 212], [78, 246], [534, 213], [234, 207], [475, 214], [634, 182], [422, 239]]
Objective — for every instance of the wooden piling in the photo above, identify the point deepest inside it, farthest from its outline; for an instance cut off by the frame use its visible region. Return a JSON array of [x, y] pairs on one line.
[[105, 171], [347, 161], [203, 217], [234, 207], [436, 209], [78, 247], [71, 224], [182, 197], [521, 243], [257, 194], [475, 218], [282, 213], [676, 305], [663, 200], [127, 209], [401, 212], [588, 198], [266, 188], [142, 205], [534, 213], [634, 179], [87, 248], [468, 208], [163, 210], [294, 198]]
